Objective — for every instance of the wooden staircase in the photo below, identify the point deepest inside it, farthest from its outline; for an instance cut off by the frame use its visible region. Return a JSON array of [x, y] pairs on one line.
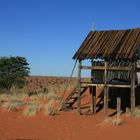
[[72, 98]]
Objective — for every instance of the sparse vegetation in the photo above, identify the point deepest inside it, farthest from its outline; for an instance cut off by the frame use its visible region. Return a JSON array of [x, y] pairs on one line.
[[107, 121], [60, 86], [113, 121], [52, 96], [4, 97], [117, 121], [136, 112], [49, 108], [32, 109], [34, 97], [12, 105]]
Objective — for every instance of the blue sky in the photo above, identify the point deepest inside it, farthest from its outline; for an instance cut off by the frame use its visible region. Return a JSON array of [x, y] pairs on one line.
[[48, 32]]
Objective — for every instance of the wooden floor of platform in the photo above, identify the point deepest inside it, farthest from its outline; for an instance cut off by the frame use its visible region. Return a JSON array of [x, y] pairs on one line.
[[108, 84]]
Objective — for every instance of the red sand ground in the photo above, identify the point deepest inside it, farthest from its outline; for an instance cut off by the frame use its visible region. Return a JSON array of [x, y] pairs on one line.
[[66, 126]]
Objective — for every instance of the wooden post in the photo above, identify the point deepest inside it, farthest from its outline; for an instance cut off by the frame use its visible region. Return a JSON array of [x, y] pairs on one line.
[[92, 62], [118, 107], [133, 77], [127, 110], [79, 88], [105, 92], [93, 103], [94, 100], [93, 93]]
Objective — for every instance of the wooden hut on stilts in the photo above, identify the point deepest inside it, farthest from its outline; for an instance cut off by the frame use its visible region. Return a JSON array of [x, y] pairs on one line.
[[114, 55]]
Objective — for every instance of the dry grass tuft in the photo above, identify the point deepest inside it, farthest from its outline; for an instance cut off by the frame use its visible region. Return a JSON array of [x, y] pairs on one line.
[[117, 121], [12, 105], [4, 97], [136, 112], [52, 96], [34, 98], [61, 105], [50, 108], [113, 121], [107, 121], [14, 97], [32, 109]]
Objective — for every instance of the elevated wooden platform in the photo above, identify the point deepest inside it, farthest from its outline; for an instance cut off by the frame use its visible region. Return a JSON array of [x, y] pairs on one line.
[[108, 84]]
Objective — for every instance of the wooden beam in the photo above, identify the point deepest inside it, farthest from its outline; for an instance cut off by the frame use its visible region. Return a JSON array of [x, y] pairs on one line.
[[93, 67], [79, 88], [119, 68], [119, 86], [108, 85]]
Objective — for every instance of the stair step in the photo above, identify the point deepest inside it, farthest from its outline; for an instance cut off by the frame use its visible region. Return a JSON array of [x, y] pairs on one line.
[[71, 99], [83, 86], [74, 97], [69, 103], [75, 92]]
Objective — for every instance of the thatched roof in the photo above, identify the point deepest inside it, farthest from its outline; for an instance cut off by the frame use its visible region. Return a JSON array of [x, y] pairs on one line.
[[110, 44]]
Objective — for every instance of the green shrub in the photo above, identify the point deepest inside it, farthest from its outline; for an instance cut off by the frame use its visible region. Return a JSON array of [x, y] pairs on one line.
[[13, 71]]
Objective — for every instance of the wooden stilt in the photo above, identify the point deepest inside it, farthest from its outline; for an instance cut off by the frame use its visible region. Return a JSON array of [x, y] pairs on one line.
[[93, 103], [127, 110], [105, 92], [133, 77], [118, 107], [106, 89], [94, 100], [79, 88]]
